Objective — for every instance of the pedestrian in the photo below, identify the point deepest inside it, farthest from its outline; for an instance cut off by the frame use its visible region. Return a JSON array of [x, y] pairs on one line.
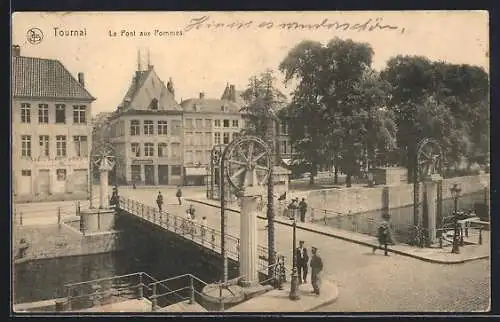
[[302, 262], [191, 211], [159, 200], [303, 209], [114, 197], [203, 226], [178, 194], [292, 209], [383, 235], [316, 268]]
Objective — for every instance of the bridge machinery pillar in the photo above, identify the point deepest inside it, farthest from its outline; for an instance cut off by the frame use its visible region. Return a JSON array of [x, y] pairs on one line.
[[431, 197], [103, 219], [250, 198]]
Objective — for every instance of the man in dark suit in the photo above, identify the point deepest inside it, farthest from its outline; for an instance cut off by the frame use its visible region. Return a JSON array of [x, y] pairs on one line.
[[302, 261]]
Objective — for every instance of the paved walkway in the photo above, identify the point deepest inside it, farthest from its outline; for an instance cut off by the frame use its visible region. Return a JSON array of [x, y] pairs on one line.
[[434, 255], [278, 300]]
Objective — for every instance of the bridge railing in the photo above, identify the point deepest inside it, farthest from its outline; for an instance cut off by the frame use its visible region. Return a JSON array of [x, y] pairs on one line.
[[103, 291], [192, 230]]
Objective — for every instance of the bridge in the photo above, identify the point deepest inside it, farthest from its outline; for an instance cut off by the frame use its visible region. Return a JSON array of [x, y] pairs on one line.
[[201, 236]]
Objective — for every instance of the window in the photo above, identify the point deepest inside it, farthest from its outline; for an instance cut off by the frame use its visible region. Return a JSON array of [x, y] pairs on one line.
[[189, 157], [61, 174], [176, 170], [135, 127], [198, 157], [208, 123], [217, 123], [79, 116], [44, 145], [198, 138], [26, 145], [61, 145], [81, 147], [226, 138], [176, 128], [26, 173], [25, 113], [149, 127], [149, 149], [284, 127], [154, 104], [189, 123], [162, 128], [176, 150], [283, 147], [208, 138], [189, 138], [235, 123], [199, 123], [60, 113], [136, 149], [162, 150], [226, 123], [43, 113], [217, 137]]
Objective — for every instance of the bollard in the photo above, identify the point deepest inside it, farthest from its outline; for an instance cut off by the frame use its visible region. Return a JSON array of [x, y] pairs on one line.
[[21, 218], [191, 298], [154, 300], [98, 220], [440, 241], [324, 217], [480, 235], [59, 215], [142, 210]]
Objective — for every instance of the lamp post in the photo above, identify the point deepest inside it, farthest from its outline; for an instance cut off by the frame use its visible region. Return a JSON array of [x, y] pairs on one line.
[[294, 286], [455, 191]]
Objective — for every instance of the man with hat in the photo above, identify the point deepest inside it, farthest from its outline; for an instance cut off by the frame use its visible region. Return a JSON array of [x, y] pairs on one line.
[[316, 268], [302, 261]]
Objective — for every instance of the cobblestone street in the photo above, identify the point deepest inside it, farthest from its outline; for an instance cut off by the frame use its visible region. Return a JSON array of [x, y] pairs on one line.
[[367, 282]]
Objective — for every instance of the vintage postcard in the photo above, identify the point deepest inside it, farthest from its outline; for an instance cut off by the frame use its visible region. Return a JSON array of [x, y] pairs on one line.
[[291, 162]]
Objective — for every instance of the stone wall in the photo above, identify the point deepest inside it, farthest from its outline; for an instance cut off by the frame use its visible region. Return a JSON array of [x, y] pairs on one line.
[[52, 241], [363, 199]]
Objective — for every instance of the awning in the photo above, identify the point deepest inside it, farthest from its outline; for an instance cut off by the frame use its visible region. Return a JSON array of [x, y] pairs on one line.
[[287, 161], [196, 172]]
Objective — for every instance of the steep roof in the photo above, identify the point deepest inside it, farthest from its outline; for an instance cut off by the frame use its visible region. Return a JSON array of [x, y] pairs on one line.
[[47, 78], [231, 94], [209, 105], [145, 87]]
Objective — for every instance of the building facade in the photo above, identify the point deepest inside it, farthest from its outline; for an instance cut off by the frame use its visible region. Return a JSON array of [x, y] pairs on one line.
[[207, 122], [146, 132], [51, 130]]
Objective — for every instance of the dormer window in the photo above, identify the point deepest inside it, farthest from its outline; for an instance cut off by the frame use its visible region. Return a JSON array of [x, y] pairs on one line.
[[154, 104]]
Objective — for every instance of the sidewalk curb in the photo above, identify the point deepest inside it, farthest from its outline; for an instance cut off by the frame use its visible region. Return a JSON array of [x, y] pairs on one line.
[[398, 252], [333, 299]]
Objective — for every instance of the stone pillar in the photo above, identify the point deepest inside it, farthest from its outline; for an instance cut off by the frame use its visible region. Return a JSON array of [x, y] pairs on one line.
[[248, 238], [430, 188], [103, 189]]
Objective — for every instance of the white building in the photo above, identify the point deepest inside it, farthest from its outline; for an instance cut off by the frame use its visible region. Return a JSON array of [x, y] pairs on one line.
[[51, 130]]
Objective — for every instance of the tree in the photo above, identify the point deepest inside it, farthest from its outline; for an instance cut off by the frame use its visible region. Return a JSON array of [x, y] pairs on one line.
[[262, 102], [334, 110]]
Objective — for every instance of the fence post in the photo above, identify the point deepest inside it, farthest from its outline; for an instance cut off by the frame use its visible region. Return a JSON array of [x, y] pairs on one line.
[[141, 291], [440, 241], [153, 298], [213, 239], [324, 217], [68, 298], [21, 218], [98, 220], [59, 215], [480, 235], [142, 210], [191, 298]]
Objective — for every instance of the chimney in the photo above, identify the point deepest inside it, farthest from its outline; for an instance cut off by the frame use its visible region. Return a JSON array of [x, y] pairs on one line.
[[232, 93], [202, 95], [81, 79], [16, 51]]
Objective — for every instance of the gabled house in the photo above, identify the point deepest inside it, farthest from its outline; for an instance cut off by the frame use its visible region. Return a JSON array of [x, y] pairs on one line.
[[51, 130], [146, 132]]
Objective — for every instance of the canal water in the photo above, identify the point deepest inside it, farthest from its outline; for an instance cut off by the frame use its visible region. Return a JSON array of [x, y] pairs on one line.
[[146, 250]]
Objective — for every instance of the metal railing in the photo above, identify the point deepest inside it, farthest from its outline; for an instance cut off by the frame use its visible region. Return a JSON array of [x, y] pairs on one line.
[[204, 236], [19, 216]]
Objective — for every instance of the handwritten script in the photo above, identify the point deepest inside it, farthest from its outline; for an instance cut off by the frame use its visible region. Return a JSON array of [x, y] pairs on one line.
[[371, 24]]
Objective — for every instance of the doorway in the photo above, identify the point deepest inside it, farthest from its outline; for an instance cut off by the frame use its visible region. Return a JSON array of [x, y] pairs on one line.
[[149, 174], [163, 174], [24, 184], [44, 181]]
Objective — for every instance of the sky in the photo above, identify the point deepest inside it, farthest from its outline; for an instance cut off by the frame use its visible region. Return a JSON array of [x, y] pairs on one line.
[[207, 50]]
